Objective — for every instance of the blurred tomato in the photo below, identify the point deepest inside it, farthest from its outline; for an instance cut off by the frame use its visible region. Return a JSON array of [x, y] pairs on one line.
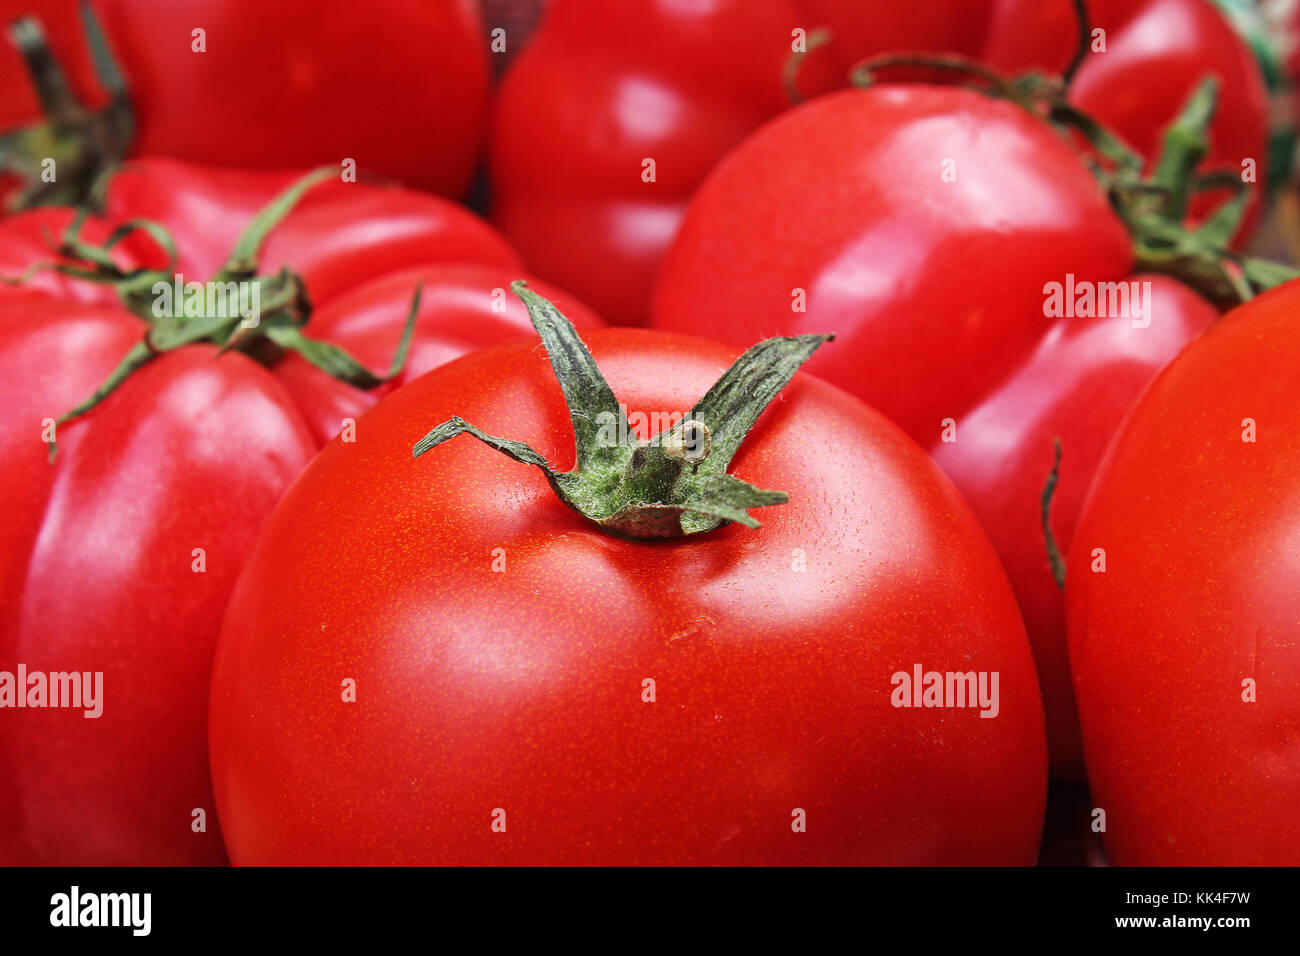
[[400, 87], [604, 87]]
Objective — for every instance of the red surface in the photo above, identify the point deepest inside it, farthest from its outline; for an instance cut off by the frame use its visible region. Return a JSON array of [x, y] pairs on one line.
[[1200, 534]]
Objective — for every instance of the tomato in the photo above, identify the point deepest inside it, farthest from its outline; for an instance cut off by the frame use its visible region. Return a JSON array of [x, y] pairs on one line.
[[98, 560], [402, 90], [499, 646], [1183, 620], [102, 573], [604, 87], [936, 290]]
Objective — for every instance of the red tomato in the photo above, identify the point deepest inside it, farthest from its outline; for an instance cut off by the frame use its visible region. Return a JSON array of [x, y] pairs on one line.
[[1186, 649], [936, 290], [518, 697], [603, 87], [401, 89], [97, 565], [97, 559]]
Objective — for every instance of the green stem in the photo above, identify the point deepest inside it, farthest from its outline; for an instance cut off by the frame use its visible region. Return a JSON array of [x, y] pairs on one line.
[[864, 74], [1084, 42], [790, 70], [676, 483], [81, 142], [1049, 491], [284, 306], [1154, 207]]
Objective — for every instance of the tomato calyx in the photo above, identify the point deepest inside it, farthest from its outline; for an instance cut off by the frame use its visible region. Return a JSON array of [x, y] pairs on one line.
[[673, 485], [80, 142], [189, 313], [1152, 206]]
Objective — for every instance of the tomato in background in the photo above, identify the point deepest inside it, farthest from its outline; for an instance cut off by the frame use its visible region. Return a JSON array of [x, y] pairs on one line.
[[399, 86], [602, 87]]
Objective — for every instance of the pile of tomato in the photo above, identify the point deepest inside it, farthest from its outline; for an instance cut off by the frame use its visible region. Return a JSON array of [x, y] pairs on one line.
[[575, 432]]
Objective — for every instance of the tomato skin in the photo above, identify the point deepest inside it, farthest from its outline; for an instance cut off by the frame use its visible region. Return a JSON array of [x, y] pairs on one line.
[[1157, 51], [191, 452], [936, 292], [96, 565], [522, 690], [1076, 387], [269, 92], [1199, 532], [602, 87]]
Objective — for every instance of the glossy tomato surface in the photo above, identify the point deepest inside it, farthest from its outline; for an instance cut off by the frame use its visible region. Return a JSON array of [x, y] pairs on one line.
[[400, 87], [604, 87], [519, 691], [100, 574], [923, 225], [1186, 647]]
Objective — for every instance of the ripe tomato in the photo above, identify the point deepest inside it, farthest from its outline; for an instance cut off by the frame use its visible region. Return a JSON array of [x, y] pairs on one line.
[[402, 90], [604, 87], [100, 573], [98, 561], [936, 287], [1186, 648], [499, 644]]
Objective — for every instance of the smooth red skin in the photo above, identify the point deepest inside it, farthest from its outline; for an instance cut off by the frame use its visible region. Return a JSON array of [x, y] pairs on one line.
[[95, 571], [1076, 386], [402, 88], [1199, 530], [602, 86], [522, 690], [935, 291]]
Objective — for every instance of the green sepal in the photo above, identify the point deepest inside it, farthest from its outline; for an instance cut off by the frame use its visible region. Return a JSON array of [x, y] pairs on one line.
[[676, 483]]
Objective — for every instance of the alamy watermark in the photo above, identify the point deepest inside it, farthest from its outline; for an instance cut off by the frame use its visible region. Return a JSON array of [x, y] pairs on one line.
[[922, 688], [1128, 299], [179, 299], [82, 690]]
